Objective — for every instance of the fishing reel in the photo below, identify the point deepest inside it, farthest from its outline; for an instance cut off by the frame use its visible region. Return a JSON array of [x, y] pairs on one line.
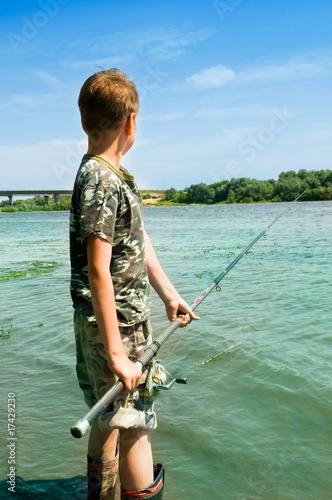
[[159, 378]]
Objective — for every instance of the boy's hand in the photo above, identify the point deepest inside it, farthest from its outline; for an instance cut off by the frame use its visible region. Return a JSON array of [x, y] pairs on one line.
[[127, 372], [179, 308]]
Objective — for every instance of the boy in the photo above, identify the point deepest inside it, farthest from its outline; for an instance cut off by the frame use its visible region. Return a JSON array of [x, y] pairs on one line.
[[112, 263]]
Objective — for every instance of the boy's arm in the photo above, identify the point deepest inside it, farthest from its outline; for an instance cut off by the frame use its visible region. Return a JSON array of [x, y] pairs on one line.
[[175, 305], [102, 292]]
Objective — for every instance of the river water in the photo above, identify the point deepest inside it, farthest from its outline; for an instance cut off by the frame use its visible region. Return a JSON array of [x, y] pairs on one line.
[[253, 424]]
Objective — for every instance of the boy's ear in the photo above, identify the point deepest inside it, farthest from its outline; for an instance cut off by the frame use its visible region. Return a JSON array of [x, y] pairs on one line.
[[130, 123]]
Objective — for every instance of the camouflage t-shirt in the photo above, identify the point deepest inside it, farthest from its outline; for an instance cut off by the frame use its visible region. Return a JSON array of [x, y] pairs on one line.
[[107, 202]]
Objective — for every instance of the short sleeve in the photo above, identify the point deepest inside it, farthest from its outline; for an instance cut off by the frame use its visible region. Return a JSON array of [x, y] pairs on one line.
[[98, 207]]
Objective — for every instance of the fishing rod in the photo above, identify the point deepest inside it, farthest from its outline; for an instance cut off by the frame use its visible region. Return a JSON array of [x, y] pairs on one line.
[[81, 427]]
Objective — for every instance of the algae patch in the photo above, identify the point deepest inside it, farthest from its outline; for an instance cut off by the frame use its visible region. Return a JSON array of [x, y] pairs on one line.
[[5, 332], [28, 269]]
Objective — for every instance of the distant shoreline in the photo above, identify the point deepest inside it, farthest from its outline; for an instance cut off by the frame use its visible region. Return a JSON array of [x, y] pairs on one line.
[[165, 204], [315, 185]]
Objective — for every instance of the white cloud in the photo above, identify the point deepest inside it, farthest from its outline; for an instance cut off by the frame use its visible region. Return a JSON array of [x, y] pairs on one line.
[[44, 165], [138, 47], [146, 142], [290, 70], [103, 62], [175, 42], [312, 64], [213, 77], [322, 131], [253, 110], [47, 77], [160, 117], [28, 100], [225, 140]]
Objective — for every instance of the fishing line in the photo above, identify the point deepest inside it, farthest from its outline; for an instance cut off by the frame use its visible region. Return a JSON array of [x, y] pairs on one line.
[[177, 342]]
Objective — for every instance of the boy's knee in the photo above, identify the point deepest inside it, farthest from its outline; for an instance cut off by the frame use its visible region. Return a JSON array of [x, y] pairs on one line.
[[132, 432], [134, 437], [102, 443]]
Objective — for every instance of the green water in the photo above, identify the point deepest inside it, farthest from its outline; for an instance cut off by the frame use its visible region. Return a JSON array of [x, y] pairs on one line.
[[254, 424]]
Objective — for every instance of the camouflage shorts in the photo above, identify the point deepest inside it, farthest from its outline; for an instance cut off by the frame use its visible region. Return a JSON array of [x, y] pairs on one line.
[[93, 373]]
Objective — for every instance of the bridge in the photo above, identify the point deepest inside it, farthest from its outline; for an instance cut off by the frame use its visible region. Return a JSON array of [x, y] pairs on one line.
[[47, 194]]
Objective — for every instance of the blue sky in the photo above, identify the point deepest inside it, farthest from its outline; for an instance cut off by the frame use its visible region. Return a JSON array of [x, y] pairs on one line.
[[234, 88]]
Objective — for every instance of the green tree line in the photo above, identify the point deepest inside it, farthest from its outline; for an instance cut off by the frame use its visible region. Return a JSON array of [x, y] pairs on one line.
[[244, 190], [36, 204]]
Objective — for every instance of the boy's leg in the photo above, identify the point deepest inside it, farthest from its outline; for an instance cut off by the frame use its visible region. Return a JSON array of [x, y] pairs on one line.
[[136, 465], [138, 476], [94, 379], [136, 462], [102, 463], [102, 443]]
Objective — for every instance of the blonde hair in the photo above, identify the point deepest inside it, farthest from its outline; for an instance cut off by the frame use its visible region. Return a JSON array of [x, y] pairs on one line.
[[106, 99]]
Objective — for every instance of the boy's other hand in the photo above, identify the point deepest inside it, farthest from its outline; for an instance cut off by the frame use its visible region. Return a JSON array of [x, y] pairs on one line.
[[127, 372], [176, 308]]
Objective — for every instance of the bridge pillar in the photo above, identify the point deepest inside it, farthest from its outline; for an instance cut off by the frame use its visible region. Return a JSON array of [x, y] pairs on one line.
[[47, 199], [56, 197], [10, 197]]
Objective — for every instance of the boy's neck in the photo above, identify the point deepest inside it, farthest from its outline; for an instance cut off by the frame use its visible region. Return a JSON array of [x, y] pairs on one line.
[[109, 146], [109, 154]]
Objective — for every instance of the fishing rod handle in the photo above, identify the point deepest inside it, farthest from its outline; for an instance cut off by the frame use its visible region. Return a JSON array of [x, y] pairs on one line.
[[81, 427]]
